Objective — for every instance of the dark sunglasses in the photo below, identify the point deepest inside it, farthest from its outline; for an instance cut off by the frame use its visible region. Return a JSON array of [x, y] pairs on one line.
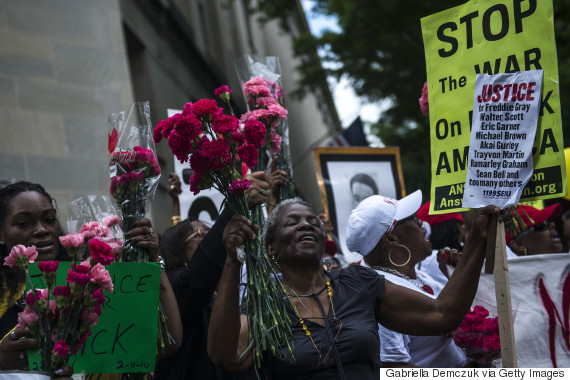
[[413, 218]]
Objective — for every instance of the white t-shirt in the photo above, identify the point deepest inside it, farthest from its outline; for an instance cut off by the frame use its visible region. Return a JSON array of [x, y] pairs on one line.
[[421, 351]]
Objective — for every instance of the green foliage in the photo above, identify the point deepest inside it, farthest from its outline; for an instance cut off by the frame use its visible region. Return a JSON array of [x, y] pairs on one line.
[[380, 49]]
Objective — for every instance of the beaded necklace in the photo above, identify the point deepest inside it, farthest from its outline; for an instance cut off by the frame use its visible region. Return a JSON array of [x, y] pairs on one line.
[[416, 281], [301, 321]]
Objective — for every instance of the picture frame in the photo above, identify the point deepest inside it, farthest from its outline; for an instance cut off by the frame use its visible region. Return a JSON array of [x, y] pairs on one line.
[[346, 175]]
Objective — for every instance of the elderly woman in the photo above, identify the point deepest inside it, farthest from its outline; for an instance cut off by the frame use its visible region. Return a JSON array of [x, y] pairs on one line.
[[396, 260], [335, 315], [28, 217]]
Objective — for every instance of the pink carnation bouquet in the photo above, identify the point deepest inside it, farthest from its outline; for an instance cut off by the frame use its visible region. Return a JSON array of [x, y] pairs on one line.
[[260, 80], [134, 169], [60, 316], [478, 336], [217, 147]]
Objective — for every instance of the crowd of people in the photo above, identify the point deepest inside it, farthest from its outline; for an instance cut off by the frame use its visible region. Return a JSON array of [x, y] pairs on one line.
[[395, 309]]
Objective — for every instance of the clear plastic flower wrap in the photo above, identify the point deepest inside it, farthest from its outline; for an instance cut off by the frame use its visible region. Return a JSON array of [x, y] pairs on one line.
[[133, 169], [99, 215], [478, 336], [260, 80]]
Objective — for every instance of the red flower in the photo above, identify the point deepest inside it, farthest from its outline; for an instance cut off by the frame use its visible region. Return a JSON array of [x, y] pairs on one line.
[[187, 109], [61, 348], [62, 291], [101, 252], [237, 137], [180, 146], [201, 162], [222, 90], [206, 109], [164, 127], [78, 278], [248, 154], [194, 182], [225, 124], [113, 139], [239, 186], [254, 132], [216, 150], [188, 126]]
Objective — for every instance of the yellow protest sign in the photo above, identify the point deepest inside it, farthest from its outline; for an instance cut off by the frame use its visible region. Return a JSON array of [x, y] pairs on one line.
[[491, 37]]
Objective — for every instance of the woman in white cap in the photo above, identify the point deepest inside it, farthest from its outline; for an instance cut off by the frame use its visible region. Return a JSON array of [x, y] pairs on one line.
[[394, 255], [335, 314]]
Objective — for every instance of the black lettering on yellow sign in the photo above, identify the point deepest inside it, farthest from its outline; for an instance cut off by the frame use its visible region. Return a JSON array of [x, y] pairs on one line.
[[444, 129], [459, 161], [531, 59], [544, 104], [499, 13], [546, 142]]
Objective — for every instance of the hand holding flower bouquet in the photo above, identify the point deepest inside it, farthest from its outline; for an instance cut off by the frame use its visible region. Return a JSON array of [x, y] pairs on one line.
[[60, 316], [217, 147], [478, 336], [134, 169], [261, 85]]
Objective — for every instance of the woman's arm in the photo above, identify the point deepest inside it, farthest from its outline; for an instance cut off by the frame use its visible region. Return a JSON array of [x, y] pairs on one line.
[[145, 237], [228, 330], [409, 312]]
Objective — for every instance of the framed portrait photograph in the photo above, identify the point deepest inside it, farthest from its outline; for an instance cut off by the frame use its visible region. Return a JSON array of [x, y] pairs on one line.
[[348, 175]]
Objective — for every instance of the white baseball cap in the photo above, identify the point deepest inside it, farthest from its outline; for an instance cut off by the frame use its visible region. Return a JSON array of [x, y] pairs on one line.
[[375, 216]]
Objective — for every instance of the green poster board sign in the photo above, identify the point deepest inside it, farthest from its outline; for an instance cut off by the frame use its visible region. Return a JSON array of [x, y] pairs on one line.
[[124, 340], [491, 37]]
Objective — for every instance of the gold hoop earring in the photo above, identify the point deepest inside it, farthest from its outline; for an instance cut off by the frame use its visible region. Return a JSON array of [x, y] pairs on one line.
[[392, 261]]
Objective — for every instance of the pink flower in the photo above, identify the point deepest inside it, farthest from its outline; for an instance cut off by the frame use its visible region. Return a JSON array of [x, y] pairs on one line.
[[424, 103], [72, 240], [266, 101], [48, 266], [89, 317], [275, 143], [201, 162], [248, 154], [79, 279], [61, 348], [101, 252], [100, 276], [239, 186], [134, 177], [164, 127], [27, 317], [21, 256], [278, 110], [225, 124], [254, 132], [261, 91], [111, 220]]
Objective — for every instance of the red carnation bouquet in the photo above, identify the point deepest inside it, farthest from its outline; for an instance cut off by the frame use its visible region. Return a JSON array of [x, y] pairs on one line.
[[60, 316], [260, 80], [478, 336], [217, 147], [133, 168]]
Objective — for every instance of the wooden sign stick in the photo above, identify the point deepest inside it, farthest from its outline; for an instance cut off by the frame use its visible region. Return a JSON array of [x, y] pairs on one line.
[[503, 295]]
